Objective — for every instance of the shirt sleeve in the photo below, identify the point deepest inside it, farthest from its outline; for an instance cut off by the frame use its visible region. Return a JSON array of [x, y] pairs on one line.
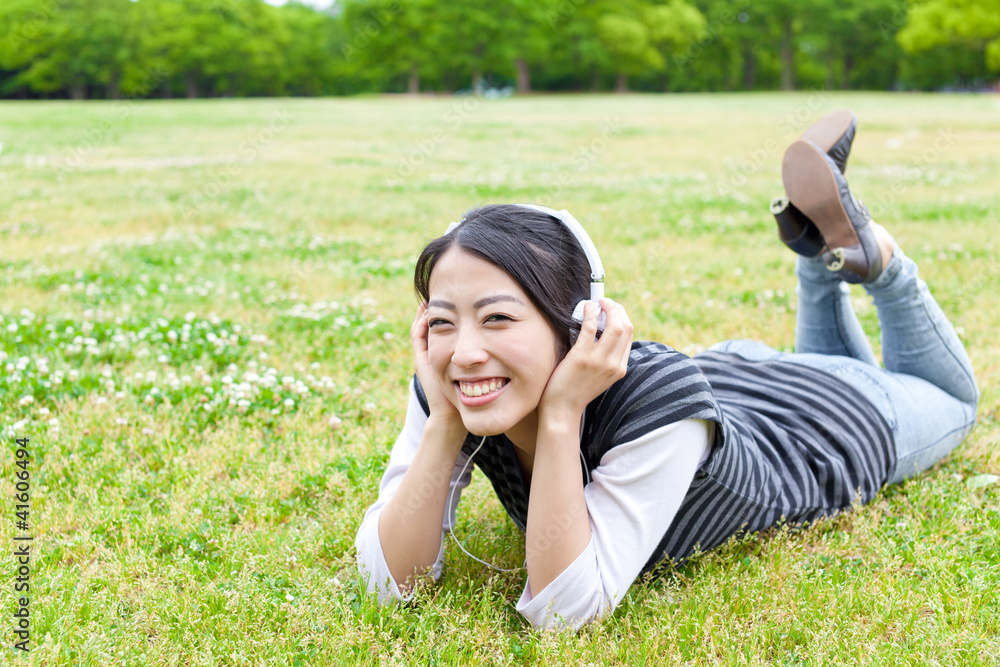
[[631, 500], [371, 559]]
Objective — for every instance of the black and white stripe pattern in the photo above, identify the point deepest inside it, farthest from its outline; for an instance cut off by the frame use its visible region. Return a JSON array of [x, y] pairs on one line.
[[791, 443], [797, 443]]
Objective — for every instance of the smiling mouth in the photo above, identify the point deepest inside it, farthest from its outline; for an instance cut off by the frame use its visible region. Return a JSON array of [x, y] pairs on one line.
[[473, 389]]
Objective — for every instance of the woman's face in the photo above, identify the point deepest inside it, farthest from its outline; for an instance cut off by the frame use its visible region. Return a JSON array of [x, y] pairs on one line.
[[492, 350]]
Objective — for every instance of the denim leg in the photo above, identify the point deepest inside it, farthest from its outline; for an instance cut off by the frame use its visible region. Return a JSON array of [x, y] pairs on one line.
[[825, 321], [926, 422], [927, 391], [917, 338]]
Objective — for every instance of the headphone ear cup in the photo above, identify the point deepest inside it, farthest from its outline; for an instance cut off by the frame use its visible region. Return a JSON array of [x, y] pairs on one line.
[[602, 319]]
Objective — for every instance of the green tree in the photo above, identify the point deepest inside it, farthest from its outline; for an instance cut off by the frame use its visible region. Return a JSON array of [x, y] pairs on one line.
[[385, 39], [673, 27], [630, 38], [309, 42], [73, 45], [530, 36], [973, 24]]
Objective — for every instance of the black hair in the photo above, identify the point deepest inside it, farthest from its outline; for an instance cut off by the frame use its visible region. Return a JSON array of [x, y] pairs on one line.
[[534, 248]]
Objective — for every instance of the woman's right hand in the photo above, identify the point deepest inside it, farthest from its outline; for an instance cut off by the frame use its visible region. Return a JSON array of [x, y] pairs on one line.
[[443, 412]]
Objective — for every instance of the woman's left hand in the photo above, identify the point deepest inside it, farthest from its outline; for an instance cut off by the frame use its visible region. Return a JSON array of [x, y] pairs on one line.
[[591, 366]]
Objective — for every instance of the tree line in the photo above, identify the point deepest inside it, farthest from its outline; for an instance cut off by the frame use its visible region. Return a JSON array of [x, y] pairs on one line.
[[201, 48]]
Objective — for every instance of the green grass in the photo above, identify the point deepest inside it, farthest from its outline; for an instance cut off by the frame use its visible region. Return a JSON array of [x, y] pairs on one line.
[[210, 282]]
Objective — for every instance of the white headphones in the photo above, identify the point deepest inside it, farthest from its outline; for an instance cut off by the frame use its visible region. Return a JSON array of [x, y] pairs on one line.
[[596, 267], [596, 293]]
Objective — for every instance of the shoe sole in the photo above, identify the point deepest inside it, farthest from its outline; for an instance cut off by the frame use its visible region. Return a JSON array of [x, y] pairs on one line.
[[828, 130], [811, 186]]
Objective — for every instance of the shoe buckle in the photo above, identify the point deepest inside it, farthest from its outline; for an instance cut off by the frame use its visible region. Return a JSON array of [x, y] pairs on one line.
[[837, 263]]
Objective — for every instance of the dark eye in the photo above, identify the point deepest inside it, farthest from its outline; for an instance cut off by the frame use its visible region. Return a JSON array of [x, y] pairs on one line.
[[497, 317], [436, 322]]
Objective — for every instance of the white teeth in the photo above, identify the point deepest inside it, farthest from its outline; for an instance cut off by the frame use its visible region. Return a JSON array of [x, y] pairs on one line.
[[470, 389]]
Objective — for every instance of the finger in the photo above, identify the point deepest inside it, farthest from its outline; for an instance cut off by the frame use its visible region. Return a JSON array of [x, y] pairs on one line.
[[421, 312], [419, 330], [618, 332], [588, 328], [617, 324]]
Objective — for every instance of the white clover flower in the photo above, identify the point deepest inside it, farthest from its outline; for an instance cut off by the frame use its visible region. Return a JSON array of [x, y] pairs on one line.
[[26, 400], [43, 411], [119, 395], [287, 380], [289, 403], [121, 421], [227, 379], [100, 400], [53, 423], [147, 431], [335, 422], [149, 400]]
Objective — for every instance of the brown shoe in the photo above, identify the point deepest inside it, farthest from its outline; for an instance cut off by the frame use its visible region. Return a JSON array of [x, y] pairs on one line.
[[833, 133], [796, 230], [817, 188]]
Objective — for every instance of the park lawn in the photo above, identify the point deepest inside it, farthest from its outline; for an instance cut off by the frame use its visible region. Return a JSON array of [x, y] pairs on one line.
[[204, 316]]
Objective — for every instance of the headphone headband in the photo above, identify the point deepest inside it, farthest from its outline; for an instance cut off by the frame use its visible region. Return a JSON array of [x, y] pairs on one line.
[[580, 234]]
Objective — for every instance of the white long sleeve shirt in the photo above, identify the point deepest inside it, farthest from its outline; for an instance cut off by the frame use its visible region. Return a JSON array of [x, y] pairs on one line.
[[634, 494]]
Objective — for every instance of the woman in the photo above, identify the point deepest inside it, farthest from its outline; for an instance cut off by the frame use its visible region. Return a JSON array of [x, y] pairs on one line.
[[614, 456]]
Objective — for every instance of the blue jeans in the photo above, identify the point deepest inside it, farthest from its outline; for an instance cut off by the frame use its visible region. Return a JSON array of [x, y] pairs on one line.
[[926, 392]]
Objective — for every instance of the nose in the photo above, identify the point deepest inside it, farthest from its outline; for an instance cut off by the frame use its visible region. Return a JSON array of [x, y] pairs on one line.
[[469, 349]]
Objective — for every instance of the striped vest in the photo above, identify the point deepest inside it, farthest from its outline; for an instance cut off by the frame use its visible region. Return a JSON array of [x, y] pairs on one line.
[[791, 442]]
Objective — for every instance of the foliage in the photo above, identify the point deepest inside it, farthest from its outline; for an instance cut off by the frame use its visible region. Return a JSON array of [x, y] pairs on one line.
[[971, 23], [198, 48]]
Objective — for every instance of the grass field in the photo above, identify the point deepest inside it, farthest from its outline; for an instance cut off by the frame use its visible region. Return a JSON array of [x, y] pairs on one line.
[[204, 316]]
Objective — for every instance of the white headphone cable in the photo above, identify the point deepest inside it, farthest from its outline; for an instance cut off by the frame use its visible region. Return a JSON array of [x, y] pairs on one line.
[[451, 499]]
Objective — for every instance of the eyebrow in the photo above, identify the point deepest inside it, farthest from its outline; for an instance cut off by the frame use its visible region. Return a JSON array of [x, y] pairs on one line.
[[485, 301]]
